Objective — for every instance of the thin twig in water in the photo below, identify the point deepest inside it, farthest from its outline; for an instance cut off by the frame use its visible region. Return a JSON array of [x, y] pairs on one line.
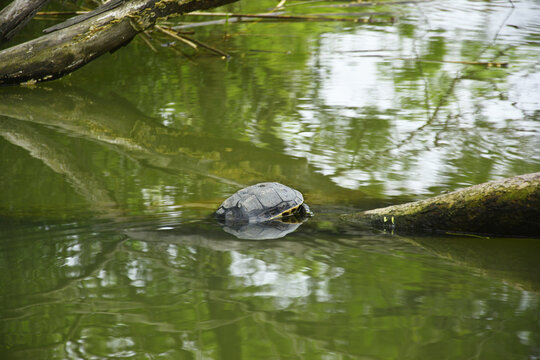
[[208, 47], [192, 42], [483, 63], [270, 51], [145, 38], [503, 23], [464, 234], [350, 13], [287, 17], [176, 36], [182, 53], [204, 23]]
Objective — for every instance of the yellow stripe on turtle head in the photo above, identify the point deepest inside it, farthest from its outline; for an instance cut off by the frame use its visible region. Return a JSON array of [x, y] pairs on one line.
[[286, 213]]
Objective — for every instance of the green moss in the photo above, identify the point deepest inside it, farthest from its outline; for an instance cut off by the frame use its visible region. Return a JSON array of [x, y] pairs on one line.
[[505, 207]]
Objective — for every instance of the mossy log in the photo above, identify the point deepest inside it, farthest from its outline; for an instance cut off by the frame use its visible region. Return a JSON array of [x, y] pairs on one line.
[[67, 49], [509, 207]]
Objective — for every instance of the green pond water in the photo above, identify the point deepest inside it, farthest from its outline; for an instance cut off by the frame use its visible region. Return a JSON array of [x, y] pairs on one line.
[[109, 177]]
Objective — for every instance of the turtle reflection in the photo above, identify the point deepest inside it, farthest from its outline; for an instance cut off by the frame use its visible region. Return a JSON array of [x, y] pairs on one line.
[[263, 211]]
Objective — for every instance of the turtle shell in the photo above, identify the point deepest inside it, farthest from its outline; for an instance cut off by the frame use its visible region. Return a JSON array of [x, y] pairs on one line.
[[259, 203]]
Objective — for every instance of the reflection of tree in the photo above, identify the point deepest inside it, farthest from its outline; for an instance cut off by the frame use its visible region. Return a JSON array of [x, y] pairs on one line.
[[376, 147], [429, 118], [116, 124], [511, 260], [40, 146], [436, 108]]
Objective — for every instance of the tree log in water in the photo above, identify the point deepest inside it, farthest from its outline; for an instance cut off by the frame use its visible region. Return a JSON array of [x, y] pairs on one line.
[[505, 207], [67, 49], [14, 16]]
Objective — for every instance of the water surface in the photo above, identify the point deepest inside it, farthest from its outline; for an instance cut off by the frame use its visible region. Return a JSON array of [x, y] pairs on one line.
[[109, 177]]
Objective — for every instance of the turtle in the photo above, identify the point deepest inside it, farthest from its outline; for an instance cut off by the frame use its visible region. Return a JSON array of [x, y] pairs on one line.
[[263, 202]]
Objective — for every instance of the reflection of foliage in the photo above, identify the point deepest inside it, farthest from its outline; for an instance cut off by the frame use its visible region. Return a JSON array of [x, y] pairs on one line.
[[412, 119], [187, 156], [192, 296], [184, 133]]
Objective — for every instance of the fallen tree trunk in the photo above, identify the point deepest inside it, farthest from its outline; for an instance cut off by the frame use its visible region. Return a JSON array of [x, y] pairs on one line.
[[67, 49], [509, 207], [14, 16]]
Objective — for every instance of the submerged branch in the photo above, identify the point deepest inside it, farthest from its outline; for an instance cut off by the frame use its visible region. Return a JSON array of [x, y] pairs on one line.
[[224, 55], [207, 23], [488, 64], [147, 41], [176, 36], [191, 42]]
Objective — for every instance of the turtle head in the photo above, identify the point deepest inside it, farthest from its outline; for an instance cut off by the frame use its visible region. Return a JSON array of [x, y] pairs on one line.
[[305, 211]]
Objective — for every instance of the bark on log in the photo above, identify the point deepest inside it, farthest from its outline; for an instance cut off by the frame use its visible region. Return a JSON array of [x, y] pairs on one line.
[[14, 16], [111, 4], [61, 52], [509, 207]]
